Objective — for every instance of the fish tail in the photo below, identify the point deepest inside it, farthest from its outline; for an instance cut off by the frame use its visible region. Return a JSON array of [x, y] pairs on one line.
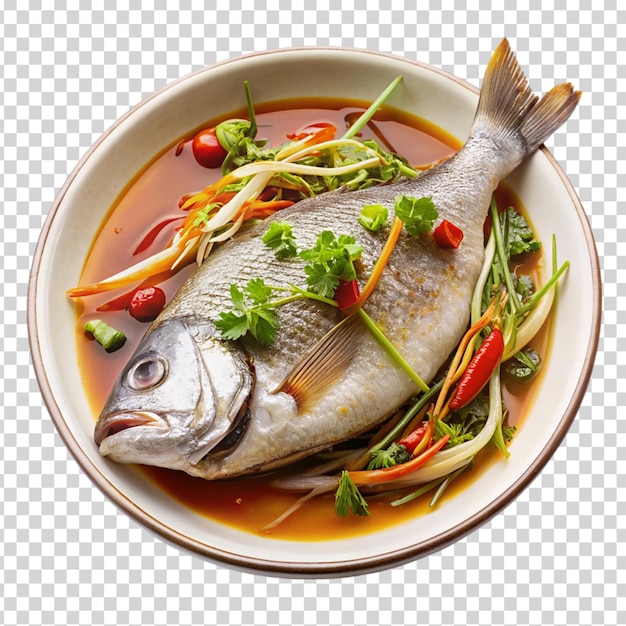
[[509, 109]]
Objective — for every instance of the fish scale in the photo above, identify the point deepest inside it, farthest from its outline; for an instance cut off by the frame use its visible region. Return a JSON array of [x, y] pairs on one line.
[[217, 409]]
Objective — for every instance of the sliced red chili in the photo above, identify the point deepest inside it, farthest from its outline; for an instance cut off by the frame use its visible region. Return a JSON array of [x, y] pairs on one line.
[[448, 235], [414, 438], [148, 240], [347, 293], [479, 370]]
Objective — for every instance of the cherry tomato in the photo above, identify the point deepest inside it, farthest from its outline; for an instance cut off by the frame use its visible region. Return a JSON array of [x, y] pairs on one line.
[[146, 304], [207, 149]]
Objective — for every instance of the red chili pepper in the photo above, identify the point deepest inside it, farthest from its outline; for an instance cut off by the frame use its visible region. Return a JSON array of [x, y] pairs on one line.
[[146, 304], [414, 438], [148, 240], [479, 370], [207, 149], [448, 235], [347, 293]]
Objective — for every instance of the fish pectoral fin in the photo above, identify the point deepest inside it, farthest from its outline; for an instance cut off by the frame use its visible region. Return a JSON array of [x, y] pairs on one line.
[[323, 364]]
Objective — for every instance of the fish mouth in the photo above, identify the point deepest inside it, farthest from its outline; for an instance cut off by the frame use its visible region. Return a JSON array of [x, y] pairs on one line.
[[118, 422]]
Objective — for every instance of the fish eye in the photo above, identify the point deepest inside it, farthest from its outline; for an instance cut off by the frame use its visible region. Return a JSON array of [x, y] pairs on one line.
[[147, 373]]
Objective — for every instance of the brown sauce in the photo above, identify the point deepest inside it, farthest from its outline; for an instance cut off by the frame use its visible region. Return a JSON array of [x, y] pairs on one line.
[[151, 198]]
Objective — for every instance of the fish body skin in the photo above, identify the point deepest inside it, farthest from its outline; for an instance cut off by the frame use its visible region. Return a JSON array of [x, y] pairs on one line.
[[228, 417]]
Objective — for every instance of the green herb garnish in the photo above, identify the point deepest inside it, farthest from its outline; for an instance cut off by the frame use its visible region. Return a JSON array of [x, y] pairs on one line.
[[373, 217], [279, 237], [349, 498], [418, 214], [388, 457], [519, 236], [250, 314], [524, 365], [330, 260]]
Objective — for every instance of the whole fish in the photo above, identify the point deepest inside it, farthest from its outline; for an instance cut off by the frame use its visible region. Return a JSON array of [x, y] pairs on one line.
[[191, 400]]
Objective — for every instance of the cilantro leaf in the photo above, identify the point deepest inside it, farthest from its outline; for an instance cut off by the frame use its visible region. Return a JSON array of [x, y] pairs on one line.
[[418, 214], [520, 237], [329, 261], [373, 217], [388, 457], [279, 237], [320, 280], [258, 291], [232, 325], [261, 323], [237, 297], [264, 326]]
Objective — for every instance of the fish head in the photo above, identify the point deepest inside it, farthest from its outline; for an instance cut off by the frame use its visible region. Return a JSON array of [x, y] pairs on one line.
[[183, 391]]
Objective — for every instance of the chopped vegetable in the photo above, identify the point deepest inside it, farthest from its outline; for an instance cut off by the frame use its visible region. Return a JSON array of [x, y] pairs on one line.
[[415, 437], [418, 214], [279, 237], [447, 235], [520, 237], [388, 474], [524, 365], [330, 260], [346, 294], [373, 217], [479, 370], [108, 337], [388, 457], [146, 304]]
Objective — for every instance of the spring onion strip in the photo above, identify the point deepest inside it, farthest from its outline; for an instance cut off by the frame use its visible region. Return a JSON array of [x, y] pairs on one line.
[[441, 483], [407, 417], [477, 296], [501, 253], [159, 262], [261, 167], [326, 145], [542, 303], [392, 351], [451, 459], [371, 110], [294, 507]]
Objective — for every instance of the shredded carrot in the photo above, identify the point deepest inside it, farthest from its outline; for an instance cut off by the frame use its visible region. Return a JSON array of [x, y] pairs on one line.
[[381, 263], [262, 209]]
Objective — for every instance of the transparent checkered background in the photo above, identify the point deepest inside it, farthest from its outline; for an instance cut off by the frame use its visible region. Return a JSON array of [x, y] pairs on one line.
[[68, 556]]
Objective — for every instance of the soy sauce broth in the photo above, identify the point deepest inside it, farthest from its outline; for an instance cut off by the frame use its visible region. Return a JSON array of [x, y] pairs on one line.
[[152, 199]]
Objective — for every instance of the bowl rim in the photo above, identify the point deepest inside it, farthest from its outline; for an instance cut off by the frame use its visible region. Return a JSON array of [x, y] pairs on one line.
[[305, 569]]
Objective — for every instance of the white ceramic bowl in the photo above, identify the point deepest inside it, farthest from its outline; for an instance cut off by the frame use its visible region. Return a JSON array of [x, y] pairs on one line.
[[186, 104]]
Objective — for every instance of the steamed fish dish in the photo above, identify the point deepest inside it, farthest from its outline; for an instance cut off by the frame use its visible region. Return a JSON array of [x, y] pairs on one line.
[[258, 362]]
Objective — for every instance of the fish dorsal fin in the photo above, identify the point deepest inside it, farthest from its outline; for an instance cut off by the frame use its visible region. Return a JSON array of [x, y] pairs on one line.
[[323, 364]]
